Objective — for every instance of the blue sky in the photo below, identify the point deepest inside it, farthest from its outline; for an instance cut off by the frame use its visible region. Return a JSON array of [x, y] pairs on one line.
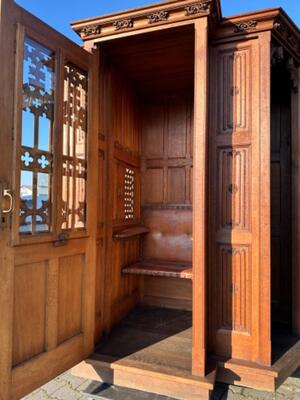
[[58, 13]]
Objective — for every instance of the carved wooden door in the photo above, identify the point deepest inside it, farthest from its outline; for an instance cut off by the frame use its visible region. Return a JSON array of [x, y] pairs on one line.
[[239, 268], [48, 192]]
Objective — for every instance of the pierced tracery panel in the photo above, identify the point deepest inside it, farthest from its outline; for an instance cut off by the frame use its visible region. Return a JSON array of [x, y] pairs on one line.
[[129, 194], [36, 138], [74, 149]]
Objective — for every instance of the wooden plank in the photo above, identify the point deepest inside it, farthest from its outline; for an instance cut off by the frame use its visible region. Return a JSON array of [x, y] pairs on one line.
[[160, 268], [8, 13], [199, 196], [264, 279], [295, 205], [52, 305], [36, 372], [130, 232]]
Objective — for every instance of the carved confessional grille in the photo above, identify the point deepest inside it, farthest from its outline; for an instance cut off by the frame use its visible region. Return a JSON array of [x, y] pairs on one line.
[[129, 194], [74, 149], [36, 138]]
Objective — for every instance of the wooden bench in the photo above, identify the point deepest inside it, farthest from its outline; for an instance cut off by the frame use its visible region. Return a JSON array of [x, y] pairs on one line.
[[161, 268]]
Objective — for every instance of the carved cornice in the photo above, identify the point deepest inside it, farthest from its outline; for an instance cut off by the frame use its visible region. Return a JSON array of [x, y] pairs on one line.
[[123, 24], [176, 11], [274, 20], [158, 17], [288, 35], [245, 26]]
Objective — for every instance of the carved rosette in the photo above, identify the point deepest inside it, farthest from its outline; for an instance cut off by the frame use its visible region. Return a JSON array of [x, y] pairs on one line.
[[245, 26], [198, 8], [158, 17], [123, 24], [90, 30]]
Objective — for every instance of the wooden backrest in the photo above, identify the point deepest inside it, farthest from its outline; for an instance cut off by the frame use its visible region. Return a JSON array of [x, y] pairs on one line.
[[170, 236]]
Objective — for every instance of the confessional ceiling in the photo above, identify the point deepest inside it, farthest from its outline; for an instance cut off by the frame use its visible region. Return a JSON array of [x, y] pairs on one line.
[[159, 62]]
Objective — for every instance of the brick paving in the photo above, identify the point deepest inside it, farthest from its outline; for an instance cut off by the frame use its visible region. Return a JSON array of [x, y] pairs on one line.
[[69, 387]]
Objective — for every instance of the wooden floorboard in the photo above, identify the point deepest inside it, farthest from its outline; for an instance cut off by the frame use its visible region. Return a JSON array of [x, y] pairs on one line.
[[152, 336]]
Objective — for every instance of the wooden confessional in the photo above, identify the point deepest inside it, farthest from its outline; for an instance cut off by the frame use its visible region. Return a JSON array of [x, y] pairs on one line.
[[149, 199]]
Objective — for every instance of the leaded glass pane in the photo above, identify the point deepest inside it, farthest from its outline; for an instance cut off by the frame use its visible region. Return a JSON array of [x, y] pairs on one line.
[[38, 91]]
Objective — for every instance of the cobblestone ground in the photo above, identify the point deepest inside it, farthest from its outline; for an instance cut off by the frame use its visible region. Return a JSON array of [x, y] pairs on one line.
[[69, 387]]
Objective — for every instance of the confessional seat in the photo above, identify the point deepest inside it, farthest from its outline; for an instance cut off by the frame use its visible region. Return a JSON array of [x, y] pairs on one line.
[[167, 247]]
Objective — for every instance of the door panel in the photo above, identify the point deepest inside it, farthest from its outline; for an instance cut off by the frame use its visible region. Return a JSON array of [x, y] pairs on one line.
[[235, 266], [48, 242]]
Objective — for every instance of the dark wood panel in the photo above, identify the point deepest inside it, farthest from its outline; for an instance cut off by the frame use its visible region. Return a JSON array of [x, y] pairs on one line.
[[281, 292], [160, 60], [167, 150]]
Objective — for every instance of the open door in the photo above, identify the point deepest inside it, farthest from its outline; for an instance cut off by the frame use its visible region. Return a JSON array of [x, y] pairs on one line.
[[48, 195]]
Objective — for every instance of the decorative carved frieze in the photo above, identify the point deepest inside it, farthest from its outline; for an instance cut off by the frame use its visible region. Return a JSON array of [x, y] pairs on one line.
[[123, 24], [199, 8], [90, 30], [158, 16], [245, 26], [279, 27], [287, 34]]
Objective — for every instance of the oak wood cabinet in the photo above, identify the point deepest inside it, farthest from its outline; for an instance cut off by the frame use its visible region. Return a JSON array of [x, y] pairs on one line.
[[149, 193]]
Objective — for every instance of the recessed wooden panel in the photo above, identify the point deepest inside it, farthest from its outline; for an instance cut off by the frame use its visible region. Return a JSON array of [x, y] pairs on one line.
[[153, 188], [238, 202], [29, 300], [153, 131], [178, 122], [167, 148], [168, 292], [234, 291], [176, 185], [234, 80], [276, 197], [70, 296], [233, 188]]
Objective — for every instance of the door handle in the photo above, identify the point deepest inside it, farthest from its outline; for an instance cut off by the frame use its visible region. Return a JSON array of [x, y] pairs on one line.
[[7, 194], [6, 204], [62, 239]]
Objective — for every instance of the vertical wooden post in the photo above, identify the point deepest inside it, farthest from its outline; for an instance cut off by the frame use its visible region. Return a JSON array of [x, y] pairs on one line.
[[264, 200], [7, 39], [295, 203], [199, 195]]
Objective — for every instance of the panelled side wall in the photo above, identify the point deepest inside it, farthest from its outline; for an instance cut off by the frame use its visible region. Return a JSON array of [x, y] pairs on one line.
[[238, 311], [121, 129]]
